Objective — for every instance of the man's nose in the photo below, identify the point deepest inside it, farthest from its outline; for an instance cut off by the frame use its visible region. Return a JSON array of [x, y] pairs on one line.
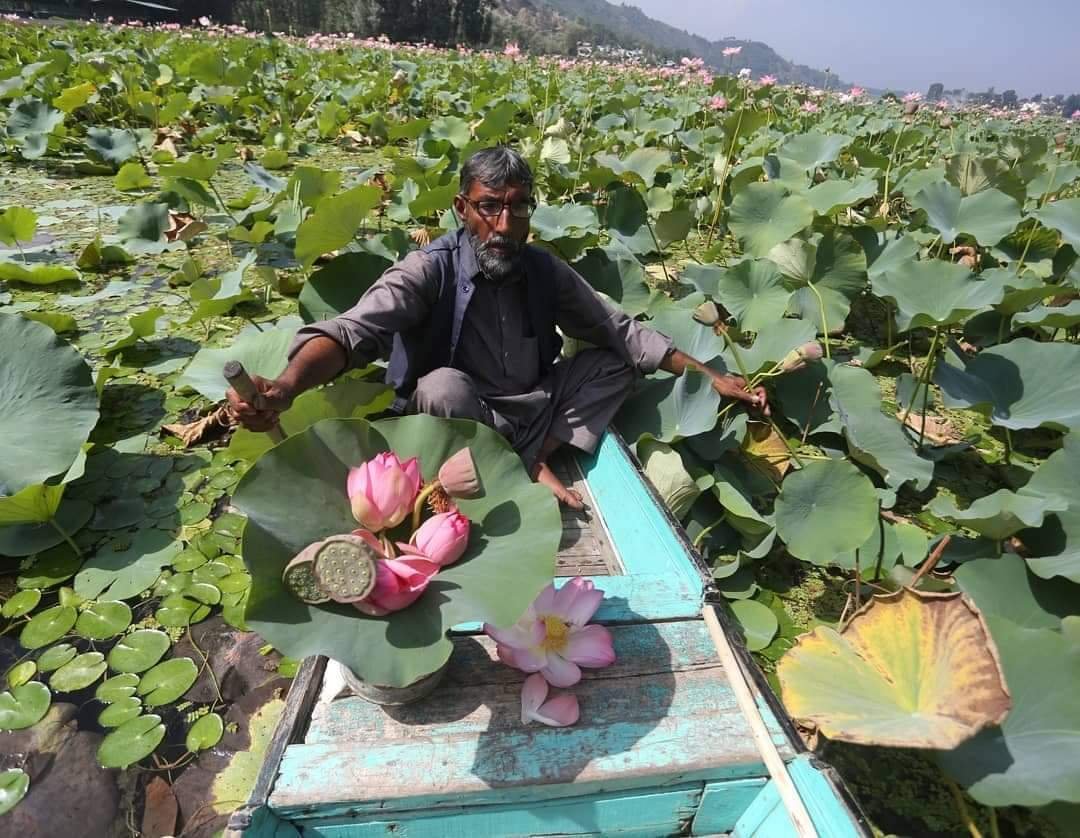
[[504, 221]]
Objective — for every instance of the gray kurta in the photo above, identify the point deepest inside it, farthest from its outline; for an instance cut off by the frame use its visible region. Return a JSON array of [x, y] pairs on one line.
[[497, 378]]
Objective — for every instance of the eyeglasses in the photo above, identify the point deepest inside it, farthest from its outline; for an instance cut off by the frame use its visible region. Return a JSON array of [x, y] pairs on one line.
[[493, 209]]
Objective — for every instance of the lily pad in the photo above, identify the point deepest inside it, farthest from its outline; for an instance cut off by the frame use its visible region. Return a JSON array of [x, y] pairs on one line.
[[21, 603], [78, 673], [120, 711], [205, 733], [138, 651], [47, 626], [103, 620], [307, 472], [127, 566], [759, 623], [14, 783], [911, 670], [56, 656], [167, 681], [24, 706], [116, 688], [131, 742]]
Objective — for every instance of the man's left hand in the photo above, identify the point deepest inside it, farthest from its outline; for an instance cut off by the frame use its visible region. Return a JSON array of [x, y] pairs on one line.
[[734, 387]]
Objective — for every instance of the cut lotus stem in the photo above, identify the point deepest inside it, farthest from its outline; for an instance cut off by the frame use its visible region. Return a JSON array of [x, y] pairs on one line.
[[345, 568], [299, 577]]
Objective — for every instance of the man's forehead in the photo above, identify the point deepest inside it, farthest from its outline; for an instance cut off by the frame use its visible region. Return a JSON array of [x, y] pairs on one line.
[[480, 190]]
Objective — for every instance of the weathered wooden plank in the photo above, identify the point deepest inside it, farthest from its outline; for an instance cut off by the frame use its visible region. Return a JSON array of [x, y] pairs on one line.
[[633, 815], [766, 816], [723, 803], [662, 713]]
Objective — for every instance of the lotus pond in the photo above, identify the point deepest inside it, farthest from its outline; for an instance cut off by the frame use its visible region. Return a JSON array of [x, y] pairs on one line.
[[172, 199]]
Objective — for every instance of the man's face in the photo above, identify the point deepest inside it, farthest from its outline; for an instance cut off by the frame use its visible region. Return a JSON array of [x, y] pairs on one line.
[[497, 234]]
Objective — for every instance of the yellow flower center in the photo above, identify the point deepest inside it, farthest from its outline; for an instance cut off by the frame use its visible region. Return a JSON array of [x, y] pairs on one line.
[[556, 633]]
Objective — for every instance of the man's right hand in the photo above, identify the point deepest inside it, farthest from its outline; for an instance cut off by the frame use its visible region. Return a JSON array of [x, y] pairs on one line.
[[273, 400]]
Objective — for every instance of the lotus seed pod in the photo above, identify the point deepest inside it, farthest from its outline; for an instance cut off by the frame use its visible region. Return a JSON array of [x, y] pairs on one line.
[[796, 359], [345, 567], [299, 577]]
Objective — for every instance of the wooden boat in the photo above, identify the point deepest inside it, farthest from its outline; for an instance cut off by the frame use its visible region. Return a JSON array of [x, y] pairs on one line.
[[663, 747]]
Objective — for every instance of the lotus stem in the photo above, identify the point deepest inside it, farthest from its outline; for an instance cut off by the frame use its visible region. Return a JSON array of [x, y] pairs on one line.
[[995, 830], [881, 544], [701, 536], [66, 537], [923, 376], [418, 506], [1034, 227], [931, 561], [884, 210], [965, 815], [926, 396], [824, 324], [723, 178]]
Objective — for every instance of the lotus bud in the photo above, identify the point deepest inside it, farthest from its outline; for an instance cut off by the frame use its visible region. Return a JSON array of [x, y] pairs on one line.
[[400, 79], [796, 359], [945, 121], [382, 490], [458, 476], [911, 108], [441, 539], [1059, 140], [707, 314], [345, 566]]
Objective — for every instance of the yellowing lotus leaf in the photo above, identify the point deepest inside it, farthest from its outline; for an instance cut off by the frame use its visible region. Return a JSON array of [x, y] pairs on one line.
[[911, 669]]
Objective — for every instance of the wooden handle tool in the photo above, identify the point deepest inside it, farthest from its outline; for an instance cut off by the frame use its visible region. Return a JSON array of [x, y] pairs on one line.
[[241, 382]]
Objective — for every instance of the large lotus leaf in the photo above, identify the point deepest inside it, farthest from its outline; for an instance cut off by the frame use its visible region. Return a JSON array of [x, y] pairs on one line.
[[127, 566], [37, 274], [804, 398], [875, 440], [770, 345], [664, 467], [217, 295], [453, 129], [114, 145], [346, 398], [552, 223], [338, 285], [693, 338], [1020, 290], [642, 163], [295, 495], [1054, 548], [1003, 587], [1063, 216], [17, 224], [261, 353], [988, 215], [30, 117], [1020, 384], [1050, 317], [835, 265], [670, 408], [830, 197], [334, 222], [616, 272], [892, 255], [754, 292], [142, 228], [48, 404], [825, 509], [1053, 178], [1000, 514], [934, 293], [973, 173], [911, 670], [813, 149], [764, 214], [1033, 758]]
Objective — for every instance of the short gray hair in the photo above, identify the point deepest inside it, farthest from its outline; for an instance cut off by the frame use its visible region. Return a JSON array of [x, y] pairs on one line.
[[495, 167]]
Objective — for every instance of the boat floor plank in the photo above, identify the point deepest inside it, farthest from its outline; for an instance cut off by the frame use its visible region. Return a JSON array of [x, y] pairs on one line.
[[662, 714], [584, 549]]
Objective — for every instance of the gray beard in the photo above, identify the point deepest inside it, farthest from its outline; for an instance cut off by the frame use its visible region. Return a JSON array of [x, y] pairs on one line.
[[496, 265]]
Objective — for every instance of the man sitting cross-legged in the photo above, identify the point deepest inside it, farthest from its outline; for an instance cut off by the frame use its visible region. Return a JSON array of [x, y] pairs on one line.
[[469, 326]]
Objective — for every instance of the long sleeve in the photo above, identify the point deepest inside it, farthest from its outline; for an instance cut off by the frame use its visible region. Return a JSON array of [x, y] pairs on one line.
[[399, 299], [585, 315]]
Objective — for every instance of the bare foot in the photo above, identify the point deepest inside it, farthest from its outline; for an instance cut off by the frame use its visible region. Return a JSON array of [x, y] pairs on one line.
[[567, 497]]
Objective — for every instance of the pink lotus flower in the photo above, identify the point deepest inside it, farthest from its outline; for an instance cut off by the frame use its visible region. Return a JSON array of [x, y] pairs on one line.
[[729, 52], [204, 21], [382, 490], [552, 637], [913, 96], [767, 81], [1075, 115], [856, 92], [398, 582], [512, 50], [718, 103], [560, 711], [809, 107], [441, 539]]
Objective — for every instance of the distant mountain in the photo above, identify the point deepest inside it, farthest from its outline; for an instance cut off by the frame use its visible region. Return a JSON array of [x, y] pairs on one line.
[[632, 27]]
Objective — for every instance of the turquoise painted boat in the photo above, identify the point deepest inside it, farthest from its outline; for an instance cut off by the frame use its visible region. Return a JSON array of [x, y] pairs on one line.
[[666, 742]]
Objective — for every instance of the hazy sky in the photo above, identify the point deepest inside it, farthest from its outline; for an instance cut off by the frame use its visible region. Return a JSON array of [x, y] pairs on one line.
[[1030, 45]]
